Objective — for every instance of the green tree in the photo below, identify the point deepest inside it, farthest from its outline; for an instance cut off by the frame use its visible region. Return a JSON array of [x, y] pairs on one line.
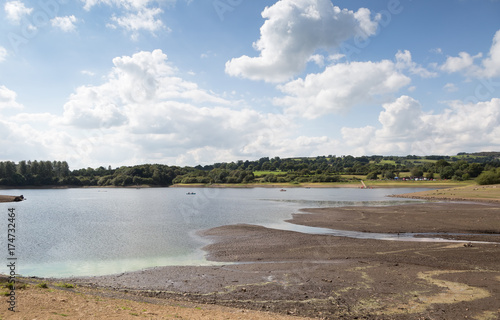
[[446, 172], [372, 176], [416, 172], [22, 168], [489, 177], [389, 175]]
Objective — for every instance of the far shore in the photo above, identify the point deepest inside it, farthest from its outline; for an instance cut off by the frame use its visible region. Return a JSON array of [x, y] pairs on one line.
[[370, 184]]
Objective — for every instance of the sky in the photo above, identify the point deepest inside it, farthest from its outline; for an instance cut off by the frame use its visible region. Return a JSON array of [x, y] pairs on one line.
[[188, 82]]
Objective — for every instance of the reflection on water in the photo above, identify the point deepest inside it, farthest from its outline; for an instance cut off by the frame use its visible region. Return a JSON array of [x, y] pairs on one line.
[[97, 231]]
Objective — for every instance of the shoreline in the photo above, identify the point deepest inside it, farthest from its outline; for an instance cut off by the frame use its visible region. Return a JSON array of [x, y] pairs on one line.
[[399, 184]]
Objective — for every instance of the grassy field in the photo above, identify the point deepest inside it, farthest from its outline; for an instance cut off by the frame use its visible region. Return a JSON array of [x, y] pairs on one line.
[[265, 173], [353, 176], [420, 161]]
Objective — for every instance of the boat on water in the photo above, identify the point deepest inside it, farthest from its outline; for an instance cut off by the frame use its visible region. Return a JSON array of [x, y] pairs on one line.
[[283, 190], [190, 193]]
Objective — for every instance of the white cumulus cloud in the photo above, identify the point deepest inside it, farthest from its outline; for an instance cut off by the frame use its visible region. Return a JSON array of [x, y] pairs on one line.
[[66, 24], [491, 64], [16, 10], [340, 87], [145, 19], [404, 61], [8, 99], [489, 67], [145, 112], [133, 15], [293, 31], [464, 61]]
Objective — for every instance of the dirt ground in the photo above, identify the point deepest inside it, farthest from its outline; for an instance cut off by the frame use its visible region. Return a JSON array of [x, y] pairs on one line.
[[290, 275], [55, 302]]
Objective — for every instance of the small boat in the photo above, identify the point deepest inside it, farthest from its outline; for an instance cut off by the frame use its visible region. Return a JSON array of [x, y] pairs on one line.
[[190, 193], [283, 190]]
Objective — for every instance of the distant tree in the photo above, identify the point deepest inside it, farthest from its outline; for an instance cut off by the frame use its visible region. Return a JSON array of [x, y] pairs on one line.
[[65, 172], [446, 172], [10, 169], [35, 167], [442, 163], [475, 169], [389, 175], [372, 176], [22, 167], [416, 172]]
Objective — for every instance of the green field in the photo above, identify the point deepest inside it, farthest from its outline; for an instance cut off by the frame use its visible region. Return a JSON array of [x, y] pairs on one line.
[[265, 173]]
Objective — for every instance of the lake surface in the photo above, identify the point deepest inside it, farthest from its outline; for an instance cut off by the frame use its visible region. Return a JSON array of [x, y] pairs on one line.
[[98, 231]]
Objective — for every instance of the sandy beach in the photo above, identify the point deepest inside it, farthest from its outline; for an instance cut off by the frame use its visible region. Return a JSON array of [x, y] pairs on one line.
[[297, 275]]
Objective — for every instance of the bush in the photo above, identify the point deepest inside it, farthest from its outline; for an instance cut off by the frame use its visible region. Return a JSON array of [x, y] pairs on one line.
[[42, 285], [488, 177], [65, 285]]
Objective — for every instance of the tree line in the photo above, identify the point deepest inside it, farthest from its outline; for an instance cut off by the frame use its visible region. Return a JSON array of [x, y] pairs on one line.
[[484, 168]]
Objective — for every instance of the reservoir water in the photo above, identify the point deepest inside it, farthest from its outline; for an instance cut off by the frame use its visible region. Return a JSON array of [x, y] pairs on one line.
[[98, 231]]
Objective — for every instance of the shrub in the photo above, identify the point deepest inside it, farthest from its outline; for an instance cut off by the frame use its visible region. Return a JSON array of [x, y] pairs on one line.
[[42, 285], [488, 177]]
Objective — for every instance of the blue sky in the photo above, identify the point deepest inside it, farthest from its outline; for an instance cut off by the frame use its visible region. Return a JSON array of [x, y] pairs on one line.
[[124, 82]]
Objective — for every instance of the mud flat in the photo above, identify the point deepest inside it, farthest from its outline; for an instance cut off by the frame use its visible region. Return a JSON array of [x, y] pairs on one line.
[[331, 277]]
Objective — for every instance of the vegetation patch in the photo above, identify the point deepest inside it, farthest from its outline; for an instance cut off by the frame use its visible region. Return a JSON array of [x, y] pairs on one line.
[[65, 285], [42, 285]]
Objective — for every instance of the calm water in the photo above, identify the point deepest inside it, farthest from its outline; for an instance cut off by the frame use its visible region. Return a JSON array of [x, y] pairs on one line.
[[78, 232]]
